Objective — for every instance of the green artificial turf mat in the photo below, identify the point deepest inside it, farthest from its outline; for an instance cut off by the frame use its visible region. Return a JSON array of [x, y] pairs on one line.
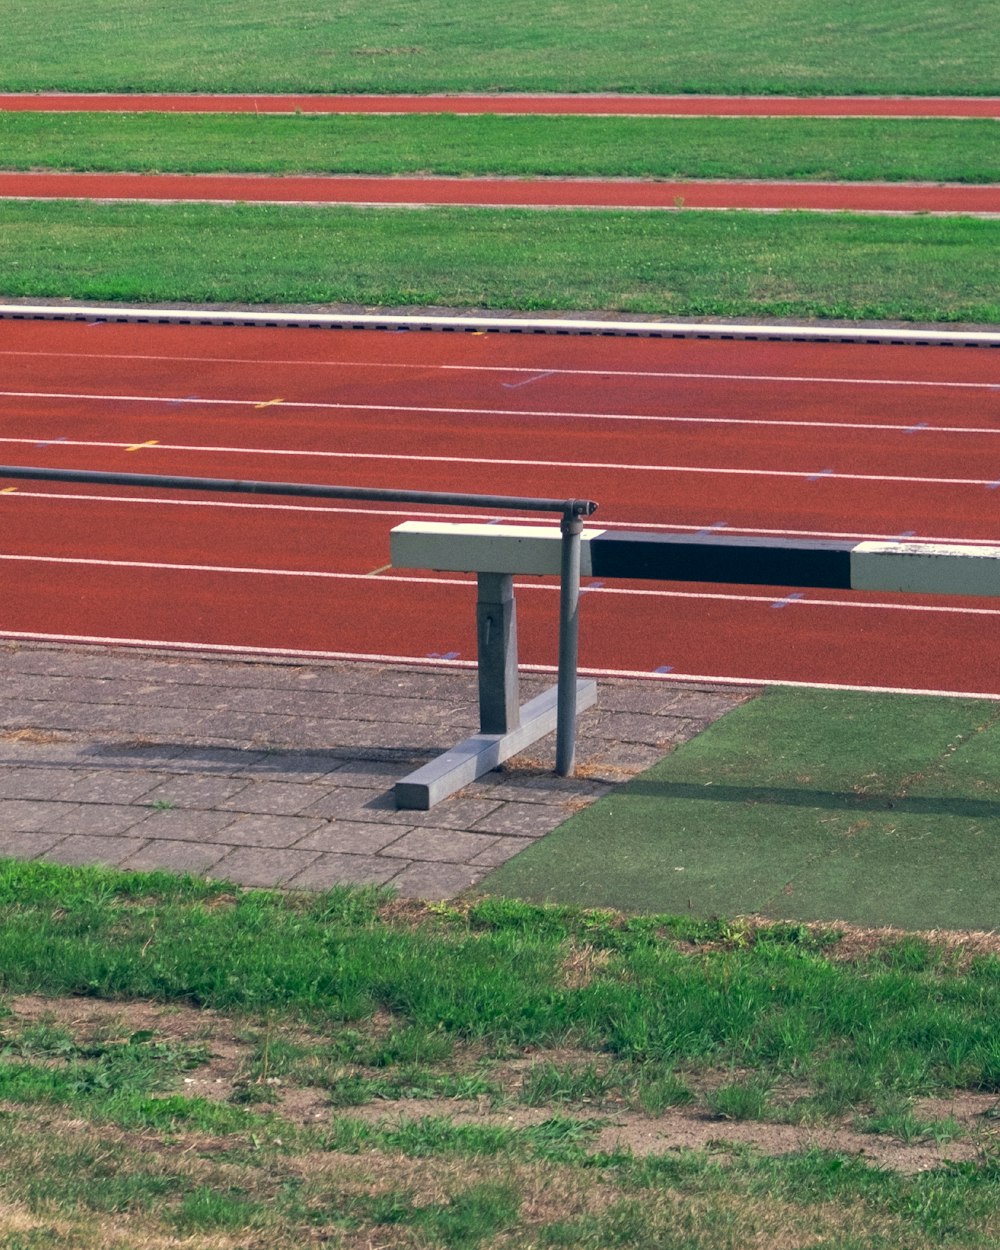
[[807, 805]]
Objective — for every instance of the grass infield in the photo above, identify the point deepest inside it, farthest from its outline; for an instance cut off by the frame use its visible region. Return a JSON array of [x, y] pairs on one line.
[[913, 47], [886, 150], [873, 809], [683, 264]]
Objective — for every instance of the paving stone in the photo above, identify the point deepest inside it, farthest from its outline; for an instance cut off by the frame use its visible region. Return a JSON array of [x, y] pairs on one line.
[[256, 866], [101, 820], [367, 774], [547, 788], [434, 882], [327, 871], [501, 850], [526, 820], [297, 765], [167, 856], [620, 760], [34, 783], [359, 805], [197, 791], [144, 755], [112, 787], [36, 748], [26, 845], [18, 815], [275, 831], [187, 825], [93, 850], [439, 844], [277, 798], [211, 759], [352, 837]]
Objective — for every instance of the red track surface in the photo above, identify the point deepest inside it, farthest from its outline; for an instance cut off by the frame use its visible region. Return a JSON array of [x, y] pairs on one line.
[[629, 105], [510, 192], [806, 439]]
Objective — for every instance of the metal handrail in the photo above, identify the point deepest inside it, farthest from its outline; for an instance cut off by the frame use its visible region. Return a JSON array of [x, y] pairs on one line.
[[573, 511]]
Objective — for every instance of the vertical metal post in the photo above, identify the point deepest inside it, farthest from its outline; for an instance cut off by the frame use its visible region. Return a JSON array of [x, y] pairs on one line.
[[569, 632], [496, 630]]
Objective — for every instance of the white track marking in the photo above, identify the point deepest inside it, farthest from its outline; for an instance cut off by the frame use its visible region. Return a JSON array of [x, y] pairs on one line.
[[558, 414], [295, 653], [120, 314], [609, 374], [326, 575], [723, 471], [416, 510]]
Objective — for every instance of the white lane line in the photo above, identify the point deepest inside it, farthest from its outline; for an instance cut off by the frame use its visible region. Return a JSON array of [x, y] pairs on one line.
[[416, 510], [811, 475], [559, 414], [366, 657], [466, 583], [541, 370]]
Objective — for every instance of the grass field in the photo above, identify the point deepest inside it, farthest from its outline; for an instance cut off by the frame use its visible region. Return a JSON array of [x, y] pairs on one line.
[[350, 1071], [691, 264], [784, 46], [887, 150]]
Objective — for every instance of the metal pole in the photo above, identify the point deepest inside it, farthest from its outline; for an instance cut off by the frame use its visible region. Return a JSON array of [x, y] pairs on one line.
[[569, 632]]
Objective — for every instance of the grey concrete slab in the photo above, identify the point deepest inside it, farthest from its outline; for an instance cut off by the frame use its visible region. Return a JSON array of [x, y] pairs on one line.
[[261, 866], [274, 773], [439, 845], [82, 849], [352, 837], [327, 871], [102, 820], [186, 857], [34, 783], [275, 798], [273, 831]]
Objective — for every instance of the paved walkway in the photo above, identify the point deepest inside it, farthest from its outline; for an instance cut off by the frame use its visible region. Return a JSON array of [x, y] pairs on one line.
[[273, 773]]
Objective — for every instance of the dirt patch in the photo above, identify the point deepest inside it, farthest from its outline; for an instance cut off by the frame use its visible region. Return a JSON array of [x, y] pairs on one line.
[[613, 1126]]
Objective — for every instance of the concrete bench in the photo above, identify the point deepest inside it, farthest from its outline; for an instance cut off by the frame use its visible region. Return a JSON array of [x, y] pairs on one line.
[[496, 553]]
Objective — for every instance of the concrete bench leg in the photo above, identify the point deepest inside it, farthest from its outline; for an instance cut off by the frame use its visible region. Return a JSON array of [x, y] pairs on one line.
[[505, 728]]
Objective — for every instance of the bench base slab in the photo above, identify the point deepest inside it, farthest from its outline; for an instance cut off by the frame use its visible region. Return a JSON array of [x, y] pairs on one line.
[[420, 790]]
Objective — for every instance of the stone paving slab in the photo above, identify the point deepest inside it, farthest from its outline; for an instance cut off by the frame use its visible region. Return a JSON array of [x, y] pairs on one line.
[[280, 773]]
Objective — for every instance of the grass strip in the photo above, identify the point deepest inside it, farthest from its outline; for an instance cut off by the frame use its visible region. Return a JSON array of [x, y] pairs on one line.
[[427, 1190], [97, 1149], [682, 263], [814, 805], [909, 1019], [888, 150], [892, 46]]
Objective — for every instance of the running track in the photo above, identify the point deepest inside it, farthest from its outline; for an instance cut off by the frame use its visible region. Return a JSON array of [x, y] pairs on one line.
[[509, 192], [780, 438], [593, 105]]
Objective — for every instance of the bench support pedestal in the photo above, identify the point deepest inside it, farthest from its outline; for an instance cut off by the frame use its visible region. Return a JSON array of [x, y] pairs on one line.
[[505, 728]]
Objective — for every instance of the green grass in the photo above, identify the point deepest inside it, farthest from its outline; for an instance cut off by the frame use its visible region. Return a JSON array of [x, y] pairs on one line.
[[691, 264], [895, 46], [756, 147], [799, 805], [775, 1001], [101, 1144]]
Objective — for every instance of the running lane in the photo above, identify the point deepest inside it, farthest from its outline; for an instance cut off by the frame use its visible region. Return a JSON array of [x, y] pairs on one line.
[[858, 197], [822, 440], [594, 105]]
